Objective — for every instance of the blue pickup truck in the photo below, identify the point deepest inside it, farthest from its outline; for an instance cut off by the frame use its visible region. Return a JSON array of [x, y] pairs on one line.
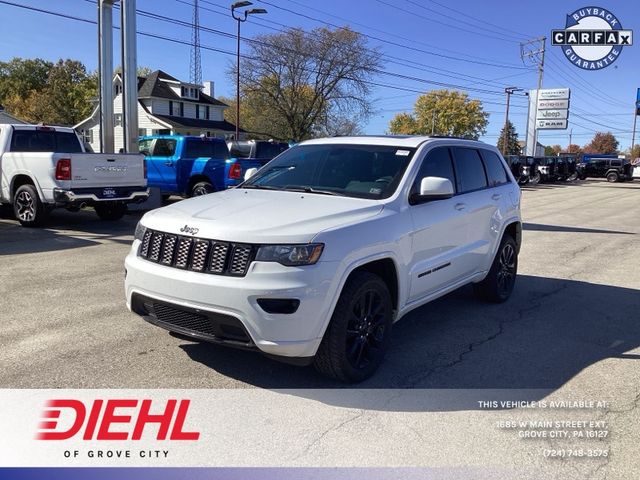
[[191, 166]]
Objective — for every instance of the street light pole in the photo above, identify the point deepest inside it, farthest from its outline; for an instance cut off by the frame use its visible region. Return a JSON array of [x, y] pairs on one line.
[[509, 91], [242, 17]]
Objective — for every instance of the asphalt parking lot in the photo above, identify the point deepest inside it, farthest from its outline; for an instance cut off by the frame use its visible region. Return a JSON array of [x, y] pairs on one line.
[[574, 314], [571, 330]]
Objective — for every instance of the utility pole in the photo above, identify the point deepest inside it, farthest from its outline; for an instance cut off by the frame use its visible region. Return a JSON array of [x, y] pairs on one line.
[[570, 136], [509, 91], [433, 123], [532, 53]]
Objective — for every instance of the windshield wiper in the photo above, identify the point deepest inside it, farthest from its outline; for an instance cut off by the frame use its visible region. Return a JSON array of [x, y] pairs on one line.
[[260, 187], [307, 189]]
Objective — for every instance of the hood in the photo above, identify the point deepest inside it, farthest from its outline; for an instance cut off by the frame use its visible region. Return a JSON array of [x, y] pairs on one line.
[[260, 216]]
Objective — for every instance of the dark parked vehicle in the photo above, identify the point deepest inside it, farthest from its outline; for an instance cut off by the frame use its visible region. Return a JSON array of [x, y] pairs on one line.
[[516, 166], [522, 167], [613, 169], [547, 169], [531, 169], [565, 168], [260, 151]]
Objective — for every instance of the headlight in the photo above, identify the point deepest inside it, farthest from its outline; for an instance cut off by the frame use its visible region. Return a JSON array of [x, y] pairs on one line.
[[290, 255], [140, 229]]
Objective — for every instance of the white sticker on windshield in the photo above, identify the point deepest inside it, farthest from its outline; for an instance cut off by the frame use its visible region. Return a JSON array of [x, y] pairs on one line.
[[402, 153]]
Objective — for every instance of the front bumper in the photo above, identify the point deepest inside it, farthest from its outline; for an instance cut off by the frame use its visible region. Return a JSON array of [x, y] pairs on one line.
[[91, 196], [235, 301]]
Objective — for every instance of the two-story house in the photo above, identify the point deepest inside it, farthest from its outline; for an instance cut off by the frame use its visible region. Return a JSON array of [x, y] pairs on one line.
[[6, 117], [166, 105]]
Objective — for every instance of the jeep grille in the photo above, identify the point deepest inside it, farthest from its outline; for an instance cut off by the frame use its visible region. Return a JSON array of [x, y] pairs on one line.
[[196, 254]]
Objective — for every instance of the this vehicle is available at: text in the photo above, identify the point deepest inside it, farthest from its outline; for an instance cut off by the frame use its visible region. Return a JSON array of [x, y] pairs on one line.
[[314, 257]]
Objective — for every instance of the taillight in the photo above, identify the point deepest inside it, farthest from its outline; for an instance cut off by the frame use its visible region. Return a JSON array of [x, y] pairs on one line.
[[63, 169], [235, 172]]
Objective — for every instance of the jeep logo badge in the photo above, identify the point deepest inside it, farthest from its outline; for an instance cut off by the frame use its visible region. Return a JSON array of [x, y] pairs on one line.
[[189, 230]]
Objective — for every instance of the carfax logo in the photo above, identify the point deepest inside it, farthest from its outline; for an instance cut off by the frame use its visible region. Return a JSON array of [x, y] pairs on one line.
[[593, 38]]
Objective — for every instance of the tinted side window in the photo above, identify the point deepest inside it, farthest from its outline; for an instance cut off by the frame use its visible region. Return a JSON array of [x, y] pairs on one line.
[[144, 146], [616, 163], [269, 149], [206, 148], [469, 169], [495, 170], [164, 147], [437, 163]]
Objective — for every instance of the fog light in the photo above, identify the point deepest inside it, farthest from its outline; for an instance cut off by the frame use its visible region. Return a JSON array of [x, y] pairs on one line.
[[285, 306]]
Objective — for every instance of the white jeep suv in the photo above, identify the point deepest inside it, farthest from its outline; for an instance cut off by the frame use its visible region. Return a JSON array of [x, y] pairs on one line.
[[316, 256]]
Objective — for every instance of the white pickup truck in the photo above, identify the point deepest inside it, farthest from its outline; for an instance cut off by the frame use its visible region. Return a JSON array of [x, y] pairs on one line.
[[44, 167]]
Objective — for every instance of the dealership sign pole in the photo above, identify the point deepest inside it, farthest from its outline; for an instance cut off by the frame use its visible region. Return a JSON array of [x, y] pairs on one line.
[[548, 110]]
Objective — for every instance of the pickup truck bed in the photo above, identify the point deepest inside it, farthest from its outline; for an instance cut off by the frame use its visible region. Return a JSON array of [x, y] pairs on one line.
[[46, 167]]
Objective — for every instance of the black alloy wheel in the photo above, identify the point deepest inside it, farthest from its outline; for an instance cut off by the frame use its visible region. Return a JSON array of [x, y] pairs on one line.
[[500, 281], [366, 329], [358, 335], [506, 276]]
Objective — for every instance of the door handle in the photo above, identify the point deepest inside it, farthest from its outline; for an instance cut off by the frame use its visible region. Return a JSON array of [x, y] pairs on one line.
[[496, 196], [460, 206], [169, 163]]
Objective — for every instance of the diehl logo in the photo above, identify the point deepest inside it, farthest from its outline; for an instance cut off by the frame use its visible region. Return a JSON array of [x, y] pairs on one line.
[[190, 230], [593, 38], [95, 421]]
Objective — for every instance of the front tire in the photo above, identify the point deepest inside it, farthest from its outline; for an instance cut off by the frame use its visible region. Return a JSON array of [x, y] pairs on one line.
[[357, 338], [499, 282], [612, 177], [28, 208], [111, 211]]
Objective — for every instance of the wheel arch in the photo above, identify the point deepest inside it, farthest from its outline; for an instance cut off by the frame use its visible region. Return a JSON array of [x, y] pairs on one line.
[[21, 179], [514, 229], [384, 265], [197, 178]]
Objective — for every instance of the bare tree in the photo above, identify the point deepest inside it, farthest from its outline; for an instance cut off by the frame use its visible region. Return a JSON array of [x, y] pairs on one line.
[[310, 83]]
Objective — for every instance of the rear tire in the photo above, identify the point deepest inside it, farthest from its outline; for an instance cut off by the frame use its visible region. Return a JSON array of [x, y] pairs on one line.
[[357, 338], [499, 282], [28, 208], [201, 188], [534, 180], [111, 211], [612, 177]]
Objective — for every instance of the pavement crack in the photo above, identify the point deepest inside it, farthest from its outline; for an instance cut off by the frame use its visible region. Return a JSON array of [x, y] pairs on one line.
[[326, 432]]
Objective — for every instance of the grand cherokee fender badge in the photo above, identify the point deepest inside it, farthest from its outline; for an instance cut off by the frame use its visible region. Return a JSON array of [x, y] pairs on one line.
[[190, 230]]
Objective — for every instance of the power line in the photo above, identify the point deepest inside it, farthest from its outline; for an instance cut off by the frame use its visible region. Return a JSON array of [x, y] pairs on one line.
[[187, 43], [412, 40], [508, 38], [395, 43]]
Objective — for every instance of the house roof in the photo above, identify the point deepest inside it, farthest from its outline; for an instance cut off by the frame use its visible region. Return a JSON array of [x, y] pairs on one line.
[[181, 122], [153, 86]]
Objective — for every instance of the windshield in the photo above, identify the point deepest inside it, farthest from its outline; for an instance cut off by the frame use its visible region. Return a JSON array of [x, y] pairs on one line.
[[364, 171]]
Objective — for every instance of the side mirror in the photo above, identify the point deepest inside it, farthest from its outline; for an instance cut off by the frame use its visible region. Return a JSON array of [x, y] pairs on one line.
[[250, 173], [146, 153], [433, 188]]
